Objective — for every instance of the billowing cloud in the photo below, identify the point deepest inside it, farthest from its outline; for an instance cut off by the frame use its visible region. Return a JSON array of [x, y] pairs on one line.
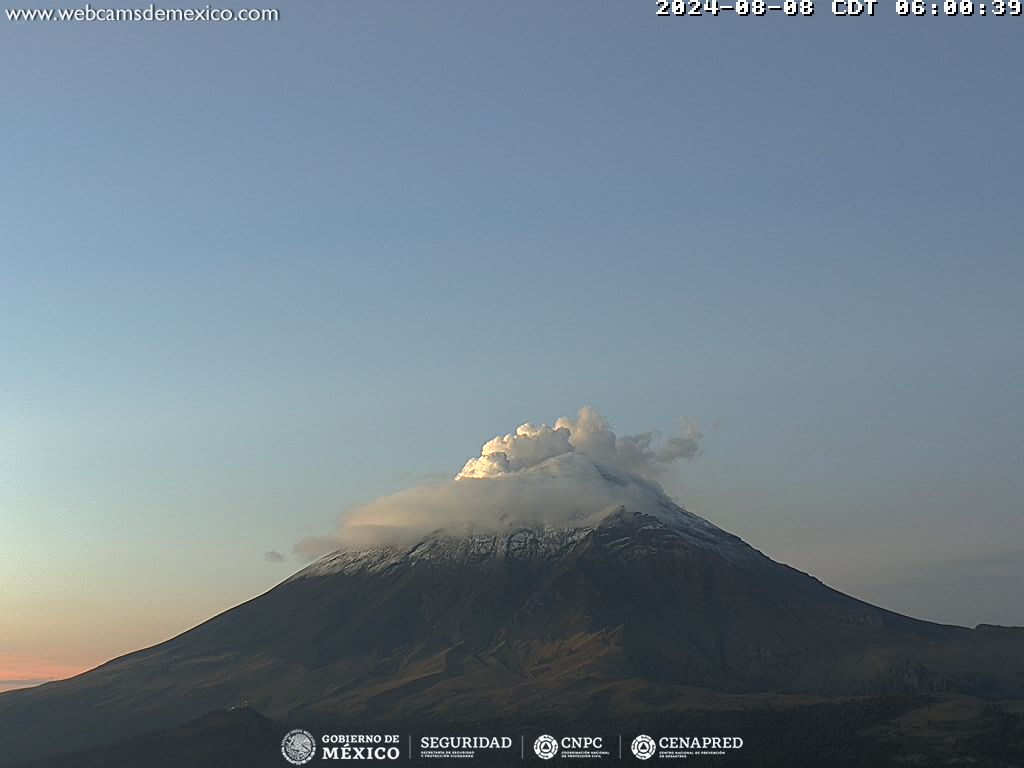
[[589, 435], [528, 447], [273, 556], [571, 474], [639, 454]]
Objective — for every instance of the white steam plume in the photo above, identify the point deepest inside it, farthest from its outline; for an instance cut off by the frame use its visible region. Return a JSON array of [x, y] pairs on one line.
[[571, 474], [588, 435]]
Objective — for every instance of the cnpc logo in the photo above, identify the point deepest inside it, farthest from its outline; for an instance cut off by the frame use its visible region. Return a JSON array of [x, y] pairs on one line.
[[546, 746]]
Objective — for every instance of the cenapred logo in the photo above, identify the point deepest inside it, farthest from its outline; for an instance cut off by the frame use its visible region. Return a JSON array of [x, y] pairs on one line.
[[546, 747], [298, 746], [644, 747]]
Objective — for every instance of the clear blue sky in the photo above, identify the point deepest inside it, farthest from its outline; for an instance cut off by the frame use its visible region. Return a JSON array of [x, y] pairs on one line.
[[253, 274]]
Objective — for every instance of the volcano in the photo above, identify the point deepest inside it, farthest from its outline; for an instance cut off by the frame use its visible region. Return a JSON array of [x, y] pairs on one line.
[[609, 614]]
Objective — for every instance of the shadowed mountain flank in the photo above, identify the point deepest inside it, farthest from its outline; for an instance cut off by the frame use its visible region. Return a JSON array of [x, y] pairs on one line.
[[621, 616]]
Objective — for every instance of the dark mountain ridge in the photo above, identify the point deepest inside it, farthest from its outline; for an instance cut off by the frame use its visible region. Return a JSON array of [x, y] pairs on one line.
[[623, 616]]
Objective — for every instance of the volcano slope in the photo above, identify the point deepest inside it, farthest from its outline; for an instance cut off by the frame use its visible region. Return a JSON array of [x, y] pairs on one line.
[[626, 615]]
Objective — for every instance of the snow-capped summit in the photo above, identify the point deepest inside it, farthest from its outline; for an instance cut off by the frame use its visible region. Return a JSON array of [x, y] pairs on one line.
[[645, 504], [540, 580]]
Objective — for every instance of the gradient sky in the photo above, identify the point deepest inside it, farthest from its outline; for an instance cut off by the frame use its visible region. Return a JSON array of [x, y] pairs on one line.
[[252, 275]]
